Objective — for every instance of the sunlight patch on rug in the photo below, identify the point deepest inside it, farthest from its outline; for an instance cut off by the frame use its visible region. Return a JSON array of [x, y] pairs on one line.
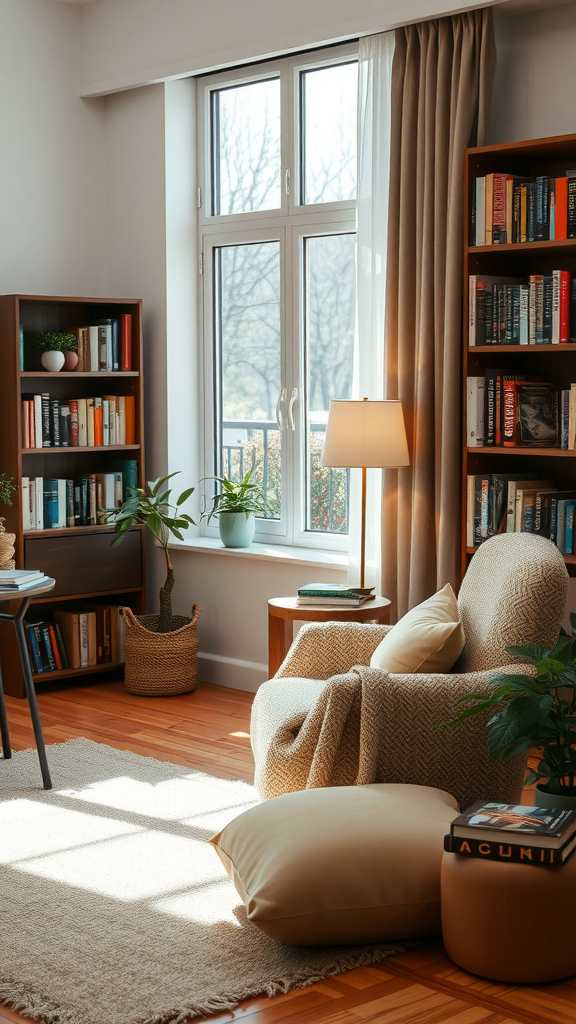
[[118, 910]]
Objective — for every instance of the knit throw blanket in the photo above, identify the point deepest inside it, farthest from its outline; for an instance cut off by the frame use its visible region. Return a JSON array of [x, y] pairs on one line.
[[370, 726]]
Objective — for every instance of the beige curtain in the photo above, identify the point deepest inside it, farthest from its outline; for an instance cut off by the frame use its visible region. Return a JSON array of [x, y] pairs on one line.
[[442, 79]]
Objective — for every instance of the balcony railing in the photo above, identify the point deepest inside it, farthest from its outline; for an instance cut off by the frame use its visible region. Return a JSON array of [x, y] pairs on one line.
[[328, 512]]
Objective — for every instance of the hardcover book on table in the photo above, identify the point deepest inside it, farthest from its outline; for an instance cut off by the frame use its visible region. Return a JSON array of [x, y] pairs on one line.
[[550, 826]]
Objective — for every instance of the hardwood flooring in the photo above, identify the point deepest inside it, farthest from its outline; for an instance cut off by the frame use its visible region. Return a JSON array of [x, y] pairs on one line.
[[209, 730]]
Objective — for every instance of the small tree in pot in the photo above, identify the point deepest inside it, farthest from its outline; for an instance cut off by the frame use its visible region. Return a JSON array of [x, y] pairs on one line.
[[160, 649], [535, 711]]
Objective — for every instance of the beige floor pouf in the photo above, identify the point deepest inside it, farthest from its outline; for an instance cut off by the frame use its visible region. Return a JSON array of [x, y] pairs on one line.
[[349, 864]]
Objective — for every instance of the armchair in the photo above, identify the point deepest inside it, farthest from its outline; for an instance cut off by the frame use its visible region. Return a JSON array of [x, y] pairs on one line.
[[327, 719]]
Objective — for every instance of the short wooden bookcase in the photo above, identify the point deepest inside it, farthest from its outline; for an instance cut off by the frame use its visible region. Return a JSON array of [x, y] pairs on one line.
[[80, 559]]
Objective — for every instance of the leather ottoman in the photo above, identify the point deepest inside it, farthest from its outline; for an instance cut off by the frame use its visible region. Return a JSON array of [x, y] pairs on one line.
[[509, 922]]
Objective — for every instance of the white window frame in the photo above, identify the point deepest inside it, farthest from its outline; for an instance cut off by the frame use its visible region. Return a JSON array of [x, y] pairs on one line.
[[290, 224]]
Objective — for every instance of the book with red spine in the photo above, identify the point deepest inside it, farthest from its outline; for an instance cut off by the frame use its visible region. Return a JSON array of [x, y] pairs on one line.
[[98, 427], [130, 420], [73, 406], [499, 236], [54, 646], [126, 341], [561, 209]]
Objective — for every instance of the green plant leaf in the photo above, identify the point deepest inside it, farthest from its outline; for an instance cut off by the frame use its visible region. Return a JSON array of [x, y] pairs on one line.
[[185, 495], [532, 652]]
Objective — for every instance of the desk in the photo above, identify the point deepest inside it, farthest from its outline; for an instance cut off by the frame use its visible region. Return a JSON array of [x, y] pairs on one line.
[[17, 618], [283, 611]]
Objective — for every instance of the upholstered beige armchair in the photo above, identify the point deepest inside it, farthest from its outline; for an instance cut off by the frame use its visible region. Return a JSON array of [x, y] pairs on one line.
[[327, 719]]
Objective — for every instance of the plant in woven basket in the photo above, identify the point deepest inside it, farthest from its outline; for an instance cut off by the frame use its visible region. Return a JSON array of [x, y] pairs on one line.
[[150, 506], [7, 489], [534, 711]]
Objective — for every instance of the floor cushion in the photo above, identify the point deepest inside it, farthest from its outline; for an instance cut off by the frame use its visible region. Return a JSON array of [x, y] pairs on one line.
[[348, 864]]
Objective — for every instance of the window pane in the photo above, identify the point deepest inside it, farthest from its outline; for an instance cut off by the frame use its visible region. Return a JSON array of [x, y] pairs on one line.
[[328, 128], [246, 148], [247, 329], [330, 290]]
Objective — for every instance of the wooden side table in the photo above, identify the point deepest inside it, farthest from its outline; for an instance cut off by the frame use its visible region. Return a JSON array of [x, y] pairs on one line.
[[283, 611], [17, 618]]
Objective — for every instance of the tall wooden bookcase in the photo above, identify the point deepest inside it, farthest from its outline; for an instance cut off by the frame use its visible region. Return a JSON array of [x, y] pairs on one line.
[[80, 559], [555, 363]]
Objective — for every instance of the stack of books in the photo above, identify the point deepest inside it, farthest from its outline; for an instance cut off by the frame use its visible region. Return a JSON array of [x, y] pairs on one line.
[[104, 421], [334, 595], [17, 580], [507, 208], [511, 311], [105, 347], [519, 503], [92, 635], [513, 833], [49, 503]]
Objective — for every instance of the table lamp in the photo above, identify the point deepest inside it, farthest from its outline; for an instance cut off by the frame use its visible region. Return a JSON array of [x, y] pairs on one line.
[[363, 434]]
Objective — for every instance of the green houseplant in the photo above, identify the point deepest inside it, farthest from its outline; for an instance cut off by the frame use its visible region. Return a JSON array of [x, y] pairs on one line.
[[160, 650], [7, 540], [535, 711], [236, 505], [58, 349]]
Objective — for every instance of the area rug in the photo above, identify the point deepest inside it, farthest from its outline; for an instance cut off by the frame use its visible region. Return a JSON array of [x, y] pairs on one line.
[[113, 907]]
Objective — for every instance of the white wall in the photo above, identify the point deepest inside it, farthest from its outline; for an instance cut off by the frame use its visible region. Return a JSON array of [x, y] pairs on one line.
[[52, 189], [126, 43], [536, 77]]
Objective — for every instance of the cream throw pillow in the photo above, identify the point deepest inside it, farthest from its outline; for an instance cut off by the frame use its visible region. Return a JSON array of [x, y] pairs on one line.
[[346, 864], [429, 638]]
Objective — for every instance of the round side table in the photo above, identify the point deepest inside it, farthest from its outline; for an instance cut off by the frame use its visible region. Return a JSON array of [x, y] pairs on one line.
[[283, 611], [17, 619]]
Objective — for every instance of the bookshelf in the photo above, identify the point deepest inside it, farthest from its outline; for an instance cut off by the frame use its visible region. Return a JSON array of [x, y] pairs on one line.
[[553, 362], [85, 567]]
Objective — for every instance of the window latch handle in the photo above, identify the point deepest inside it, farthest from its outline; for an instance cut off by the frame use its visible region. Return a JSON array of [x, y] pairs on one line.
[[287, 182], [279, 403], [293, 398]]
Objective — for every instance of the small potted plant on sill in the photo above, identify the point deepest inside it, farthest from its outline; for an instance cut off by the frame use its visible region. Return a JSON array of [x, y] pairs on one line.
[[160, 650], [7, 540], [535, 712], [58, 350], [236, 505]]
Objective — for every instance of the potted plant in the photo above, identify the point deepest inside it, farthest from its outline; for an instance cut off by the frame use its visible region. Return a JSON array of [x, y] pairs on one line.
[[236, 506], [7, 540], [535, 711], [160, 650], [57, 350]]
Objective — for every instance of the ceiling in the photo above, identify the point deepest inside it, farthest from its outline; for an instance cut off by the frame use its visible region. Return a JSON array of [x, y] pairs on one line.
[[503, 8]]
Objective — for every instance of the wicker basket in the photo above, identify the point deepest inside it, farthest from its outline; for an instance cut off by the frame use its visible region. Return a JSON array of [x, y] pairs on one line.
[[160, 664], [7, 542]]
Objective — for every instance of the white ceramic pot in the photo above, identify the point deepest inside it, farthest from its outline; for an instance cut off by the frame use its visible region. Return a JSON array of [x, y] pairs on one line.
[[236, 531], [52, 361]]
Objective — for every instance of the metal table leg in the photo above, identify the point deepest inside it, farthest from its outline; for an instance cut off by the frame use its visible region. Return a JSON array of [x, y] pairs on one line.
[[31, 693], [4, 733]]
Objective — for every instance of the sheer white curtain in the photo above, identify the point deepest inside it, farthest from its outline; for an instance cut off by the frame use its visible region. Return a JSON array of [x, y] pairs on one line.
[[374, 104]]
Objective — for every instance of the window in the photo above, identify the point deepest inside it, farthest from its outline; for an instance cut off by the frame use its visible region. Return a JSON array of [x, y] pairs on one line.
[[277, 224]]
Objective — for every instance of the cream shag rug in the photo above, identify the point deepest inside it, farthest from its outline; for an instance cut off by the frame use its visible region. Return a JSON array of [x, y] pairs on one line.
[[113, 908]]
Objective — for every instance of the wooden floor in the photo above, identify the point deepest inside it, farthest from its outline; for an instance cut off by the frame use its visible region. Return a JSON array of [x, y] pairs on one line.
[[209, 730]]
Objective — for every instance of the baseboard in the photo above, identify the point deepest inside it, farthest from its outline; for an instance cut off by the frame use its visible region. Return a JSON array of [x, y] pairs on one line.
[[231, 672]]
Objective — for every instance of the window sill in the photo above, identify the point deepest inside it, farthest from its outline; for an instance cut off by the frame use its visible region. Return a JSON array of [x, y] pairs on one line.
[[269, 552]]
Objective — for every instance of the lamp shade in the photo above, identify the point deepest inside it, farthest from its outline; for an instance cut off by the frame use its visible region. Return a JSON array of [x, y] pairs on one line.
[[365, 434]]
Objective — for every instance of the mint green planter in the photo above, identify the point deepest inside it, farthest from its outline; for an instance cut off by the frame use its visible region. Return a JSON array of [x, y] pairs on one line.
[[236, 531]]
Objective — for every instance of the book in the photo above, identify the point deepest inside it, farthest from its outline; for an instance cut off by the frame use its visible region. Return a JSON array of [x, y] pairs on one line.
[[341, 602], [531, 414], [333, 590], [18, 577], [126, 341], [530, 487], [69, 626], [514, 853], [42, 581], [569, 528], [549, 826], [475, 409]]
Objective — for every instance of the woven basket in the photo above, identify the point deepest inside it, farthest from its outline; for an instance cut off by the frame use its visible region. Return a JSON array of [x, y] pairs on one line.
[[160, 664], [7, 541]]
